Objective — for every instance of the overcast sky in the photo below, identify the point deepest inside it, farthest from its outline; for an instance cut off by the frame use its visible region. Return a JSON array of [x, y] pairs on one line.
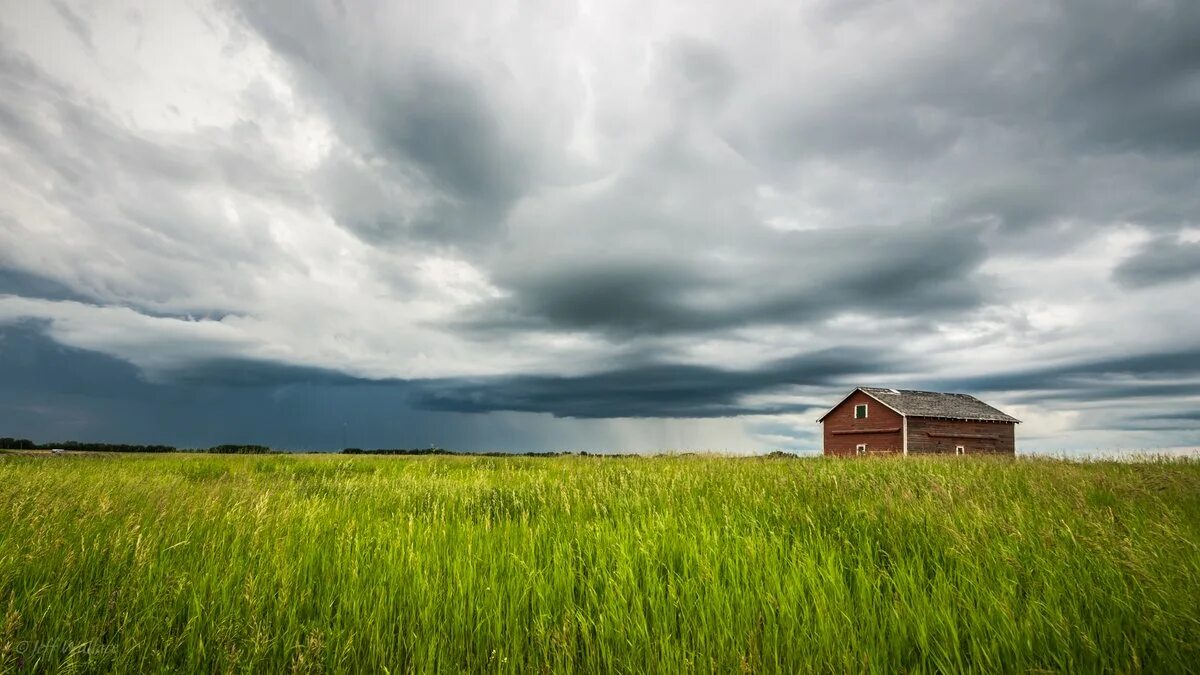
[[595, 225]]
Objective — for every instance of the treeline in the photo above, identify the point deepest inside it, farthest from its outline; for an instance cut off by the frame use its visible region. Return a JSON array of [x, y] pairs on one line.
[[237, 449], [397, 451], [229, 449], [491, 453], [81, 446]]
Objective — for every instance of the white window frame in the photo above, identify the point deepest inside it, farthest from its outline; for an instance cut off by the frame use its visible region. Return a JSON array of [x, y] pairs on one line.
[[866, 411], [860, 449], [960, 450]]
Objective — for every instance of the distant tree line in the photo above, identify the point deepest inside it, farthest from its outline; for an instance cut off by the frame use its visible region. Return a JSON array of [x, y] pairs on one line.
[[397, 451], [240, 449], [80, 446], [443, 451], [229, 449]]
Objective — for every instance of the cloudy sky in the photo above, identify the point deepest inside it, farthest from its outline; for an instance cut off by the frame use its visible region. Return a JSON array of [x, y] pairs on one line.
[[596, 225]]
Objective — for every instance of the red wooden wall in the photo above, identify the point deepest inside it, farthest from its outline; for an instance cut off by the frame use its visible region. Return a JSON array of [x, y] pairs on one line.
[[880, 430], [933, 435]]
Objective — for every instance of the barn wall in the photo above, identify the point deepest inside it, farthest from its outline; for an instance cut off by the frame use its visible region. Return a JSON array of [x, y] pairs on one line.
[[937, 436], [853, 431]]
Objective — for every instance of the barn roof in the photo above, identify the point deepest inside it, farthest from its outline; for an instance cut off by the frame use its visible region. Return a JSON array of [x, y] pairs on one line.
[[913, 403]]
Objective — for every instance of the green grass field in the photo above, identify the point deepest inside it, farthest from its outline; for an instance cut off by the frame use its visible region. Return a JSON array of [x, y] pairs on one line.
[[669, 564]]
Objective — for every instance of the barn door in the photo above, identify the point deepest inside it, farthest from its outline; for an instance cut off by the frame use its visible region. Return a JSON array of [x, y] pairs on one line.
[[860, 449], [960, 450]]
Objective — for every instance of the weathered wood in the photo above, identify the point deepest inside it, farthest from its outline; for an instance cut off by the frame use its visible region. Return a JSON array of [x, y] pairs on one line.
[[885, 430], [939, 434], [927, 435], [880, 431]]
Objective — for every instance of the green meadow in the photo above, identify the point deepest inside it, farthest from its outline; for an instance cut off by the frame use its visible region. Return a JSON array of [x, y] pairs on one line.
[[131, 563]]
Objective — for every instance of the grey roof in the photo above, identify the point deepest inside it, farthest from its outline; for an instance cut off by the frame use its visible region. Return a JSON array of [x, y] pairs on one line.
[[936, 404]]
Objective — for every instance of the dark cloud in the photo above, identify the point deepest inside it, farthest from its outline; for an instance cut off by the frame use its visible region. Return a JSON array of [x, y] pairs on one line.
[[888, 273], [1162, 260], [655, 390], [1191, 415], [1062, 115], [1016, 205], [443, 123], [230, 372], [1099, 392], [1134, 376], [1183, 425], [1130, 72], [416, 119], [431, 132], [55, 393], [1106, 75], [28, 285], [643, 390]]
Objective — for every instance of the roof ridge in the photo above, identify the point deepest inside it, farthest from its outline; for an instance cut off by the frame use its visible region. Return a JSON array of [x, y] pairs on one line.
[[923, 403]]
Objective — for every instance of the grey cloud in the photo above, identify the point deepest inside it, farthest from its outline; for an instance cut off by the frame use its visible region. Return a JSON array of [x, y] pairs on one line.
[[1016, 203], [29, 285], [1094, 392], [1164, 259], [634, 390], [53, 393], [77, 24], [23, 284], [1130, 70], [1159, 374], [440, 144], [1079, 109], [417, 120], [78, 140], [786, 278], [651, 390], [1192, 415], [231, 372], [699, 72], [441, 121], [1183, 421], [1111, 74], [798, 437], [136, 192]]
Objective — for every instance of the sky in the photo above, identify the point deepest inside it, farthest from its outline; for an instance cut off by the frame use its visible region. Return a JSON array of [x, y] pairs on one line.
[[605, 226]]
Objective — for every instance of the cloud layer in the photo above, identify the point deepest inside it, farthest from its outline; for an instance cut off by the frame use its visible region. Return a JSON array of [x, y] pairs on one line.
[[596, 214]]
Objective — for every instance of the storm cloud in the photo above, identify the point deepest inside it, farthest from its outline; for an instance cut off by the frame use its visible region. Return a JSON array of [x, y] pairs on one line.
[[627, 223], [650, 391]]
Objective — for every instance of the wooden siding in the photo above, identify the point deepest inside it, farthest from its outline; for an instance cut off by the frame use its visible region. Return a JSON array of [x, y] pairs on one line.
[[881, 431], [928, 435]]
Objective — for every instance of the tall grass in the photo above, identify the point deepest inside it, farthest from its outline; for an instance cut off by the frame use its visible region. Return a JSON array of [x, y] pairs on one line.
[[572, 564]]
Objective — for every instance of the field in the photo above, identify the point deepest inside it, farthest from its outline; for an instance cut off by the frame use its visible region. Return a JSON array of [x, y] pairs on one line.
[[584, 564]]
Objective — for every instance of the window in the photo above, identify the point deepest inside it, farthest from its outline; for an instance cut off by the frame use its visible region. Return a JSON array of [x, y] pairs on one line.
[[860, 411], [959, 450], [860, 449]]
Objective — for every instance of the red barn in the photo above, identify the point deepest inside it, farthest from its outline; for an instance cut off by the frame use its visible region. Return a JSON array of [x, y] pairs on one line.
[[871, 420]]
